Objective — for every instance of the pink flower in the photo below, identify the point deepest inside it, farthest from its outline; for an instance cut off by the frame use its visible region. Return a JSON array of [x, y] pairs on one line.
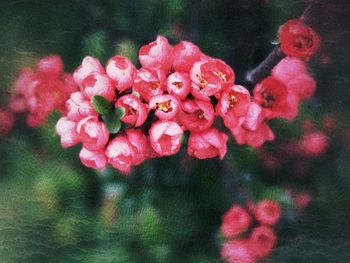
[[235, 221], [293, 72], [93, 159], [179, 84], [120, 154], [136, 112], [262, 241], [267, 212], [98, 84], [138, 141], [88, 66], [314, 144], [51, 66], [165, 137], [122, 71], [78, 107], [207, 144], [166, 106], [233, 105], [7, 120], [196, 115], [149, 83], [237, 252], [157, 55], [185, 55], [277, 101], [209, 78], [92, 133], [67, 130], [302, 200]]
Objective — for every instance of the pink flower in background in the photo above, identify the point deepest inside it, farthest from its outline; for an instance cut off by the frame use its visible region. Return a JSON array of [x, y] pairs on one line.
[[267, 212], [314, 144], [166, 106], [51, 66], [92, 133], [235, 221], [157, 55], [207, 144], [78, 107], [98, 84], [122, 71], [7, 120], [196, 115], [262, 241], [165, 137], [149, 83], [237, 252], [93, 159], [88, 66], [136, 112], [185, 55], [179, 84], [67, 130]]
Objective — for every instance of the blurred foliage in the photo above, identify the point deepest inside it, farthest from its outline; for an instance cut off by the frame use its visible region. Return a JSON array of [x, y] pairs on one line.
[[169, 210]]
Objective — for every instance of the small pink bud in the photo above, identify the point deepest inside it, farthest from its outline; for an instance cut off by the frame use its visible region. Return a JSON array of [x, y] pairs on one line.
[[51, 66], [88, 66], [235, 221], [267, 212], [98, 84], [78, 107], [262, 241], [185, 55], [93, 159], [67, 130], [92, 133]]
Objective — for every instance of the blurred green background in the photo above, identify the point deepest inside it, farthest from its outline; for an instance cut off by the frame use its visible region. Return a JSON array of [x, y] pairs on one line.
[[52, 209]]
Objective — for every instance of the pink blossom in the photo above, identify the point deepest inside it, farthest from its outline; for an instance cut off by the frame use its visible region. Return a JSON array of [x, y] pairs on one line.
[[157, 55], [237, 252], [136, 112], [267, 212], [166, 106], [88, 66], [207, 144], [149, 83], [262, 241], [185, 55], [93, 159], [138, 142], [302, 200], [196, 115], [78, 107], [210, 77], [235, 221], [92, 133], [165, 137], [67, 130], [314, 144], [233, 105], [122, 71], [179, 84], [7, 120], [98, 84], [51, 66]]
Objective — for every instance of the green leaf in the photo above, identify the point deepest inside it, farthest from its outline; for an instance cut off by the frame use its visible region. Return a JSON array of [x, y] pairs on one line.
[[112, 120], [101, 105]]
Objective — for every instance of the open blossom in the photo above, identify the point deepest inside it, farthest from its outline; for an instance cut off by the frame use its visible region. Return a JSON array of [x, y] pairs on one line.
[[138, 142], [196, 115], [7, 120], [122, 71], [92, 133], [179, 84], [78, 107], [277, 101], [157, 55], [136, 112], [235, 221], [262, 241], [314, 144], [185, 55], [166, 106], [209, 77], [298, 40], [293, 73], [267, 212], [165, 137], [233, 105], [67, 130], [237, 252], [149, 83], [88, 66], [98, 84], [207, 144], [93, 159]]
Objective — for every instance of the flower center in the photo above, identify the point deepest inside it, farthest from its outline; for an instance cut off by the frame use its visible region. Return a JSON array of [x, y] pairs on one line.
[[222, 75], [269, 99], [154, 85], [232, 100], [178, 84], [302, 42], [199, 113], [202, 82], [164, 106], [130, 111]]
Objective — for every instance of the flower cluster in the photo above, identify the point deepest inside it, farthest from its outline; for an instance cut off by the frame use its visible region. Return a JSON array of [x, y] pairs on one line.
[[177, 90], [41, 90], [249, 231], [298, 40]]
